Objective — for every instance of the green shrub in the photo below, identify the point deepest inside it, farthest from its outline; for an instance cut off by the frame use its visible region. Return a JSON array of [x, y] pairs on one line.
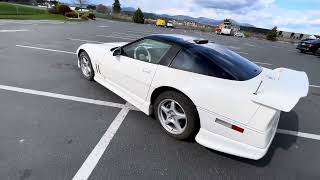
[[91, 16], [138, 16], [247, 34], [272, 35], [63, 9], [71, 14], [53, 10], [87, 15], [84, 17]]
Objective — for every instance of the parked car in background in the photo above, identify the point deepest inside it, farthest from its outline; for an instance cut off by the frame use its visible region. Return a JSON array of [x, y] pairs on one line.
[[309, 46], [239, 34], [161, 22], [170, 24], [227, 30], [313, 37]]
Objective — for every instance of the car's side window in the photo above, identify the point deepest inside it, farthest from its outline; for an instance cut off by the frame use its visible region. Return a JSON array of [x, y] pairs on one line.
[[147, 50], [188, 61]]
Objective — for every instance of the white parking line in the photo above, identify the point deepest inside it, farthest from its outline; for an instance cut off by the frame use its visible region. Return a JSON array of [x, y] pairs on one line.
[[83, 40], [14, 30], [314, 86], [242, 52], [62, 96], [102, 26], [299, 134], [141, 32], [121, 34], [251, 45], [268, 64], [92, 160], [234, 47], [45, 49], [116, 37]]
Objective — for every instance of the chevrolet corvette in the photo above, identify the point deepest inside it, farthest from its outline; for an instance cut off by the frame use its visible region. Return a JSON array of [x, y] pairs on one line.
[[197, 89]]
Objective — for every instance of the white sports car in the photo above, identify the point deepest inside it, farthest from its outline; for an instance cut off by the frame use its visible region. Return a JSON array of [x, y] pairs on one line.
[[196, 88]]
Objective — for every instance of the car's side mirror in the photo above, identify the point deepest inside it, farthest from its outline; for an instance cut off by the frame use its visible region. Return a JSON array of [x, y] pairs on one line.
[[117, 51]]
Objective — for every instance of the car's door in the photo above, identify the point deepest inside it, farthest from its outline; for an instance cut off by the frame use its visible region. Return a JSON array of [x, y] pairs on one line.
[[134, 69]]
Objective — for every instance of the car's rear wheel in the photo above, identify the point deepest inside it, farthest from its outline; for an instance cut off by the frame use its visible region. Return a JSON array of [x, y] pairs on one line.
[[86, 66], [177, 115]]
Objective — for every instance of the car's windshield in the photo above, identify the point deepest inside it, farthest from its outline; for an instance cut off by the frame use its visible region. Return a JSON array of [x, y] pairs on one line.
[[239, 67]]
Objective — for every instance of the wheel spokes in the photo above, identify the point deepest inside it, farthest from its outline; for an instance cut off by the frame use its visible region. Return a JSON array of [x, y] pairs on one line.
[[172, 116], [172, 106], [177, 125], [165, 109], [179, 116]]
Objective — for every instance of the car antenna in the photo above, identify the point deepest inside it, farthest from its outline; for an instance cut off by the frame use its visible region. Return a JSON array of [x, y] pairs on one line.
[[255, 93]]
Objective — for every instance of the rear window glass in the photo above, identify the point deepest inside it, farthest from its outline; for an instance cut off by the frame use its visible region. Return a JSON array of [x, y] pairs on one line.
[[188, 61], [237, 66]]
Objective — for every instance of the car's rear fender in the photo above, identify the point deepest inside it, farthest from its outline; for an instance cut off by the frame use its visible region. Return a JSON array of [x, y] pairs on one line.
[[227, 98]]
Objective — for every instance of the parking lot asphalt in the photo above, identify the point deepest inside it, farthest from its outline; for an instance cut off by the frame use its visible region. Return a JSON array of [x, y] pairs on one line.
[[52, 119]]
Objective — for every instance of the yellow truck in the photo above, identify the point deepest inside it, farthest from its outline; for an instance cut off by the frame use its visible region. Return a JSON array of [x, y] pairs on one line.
[[161, 22]]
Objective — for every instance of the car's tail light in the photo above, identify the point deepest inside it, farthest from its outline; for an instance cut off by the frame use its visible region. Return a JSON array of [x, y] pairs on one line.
[[231, 126], [237, 128]]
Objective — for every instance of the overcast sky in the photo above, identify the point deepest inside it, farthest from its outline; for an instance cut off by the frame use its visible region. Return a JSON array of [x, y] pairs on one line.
[[289, 15]]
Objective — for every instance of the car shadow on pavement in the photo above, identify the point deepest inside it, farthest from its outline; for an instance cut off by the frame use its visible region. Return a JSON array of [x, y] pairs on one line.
[[288, 121]]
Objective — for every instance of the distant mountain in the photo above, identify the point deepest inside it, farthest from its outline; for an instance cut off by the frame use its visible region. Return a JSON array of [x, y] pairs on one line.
[[128, 9], [200, 20]]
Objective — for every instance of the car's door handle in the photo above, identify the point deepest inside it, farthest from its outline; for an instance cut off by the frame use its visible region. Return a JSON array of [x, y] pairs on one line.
[[146, 70]]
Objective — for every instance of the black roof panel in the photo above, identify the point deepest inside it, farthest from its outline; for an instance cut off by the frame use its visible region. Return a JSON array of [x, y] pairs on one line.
[[181, 40]]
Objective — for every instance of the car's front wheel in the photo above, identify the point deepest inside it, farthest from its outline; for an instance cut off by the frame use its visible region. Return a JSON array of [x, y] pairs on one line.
[[177, 115], [86, 66]]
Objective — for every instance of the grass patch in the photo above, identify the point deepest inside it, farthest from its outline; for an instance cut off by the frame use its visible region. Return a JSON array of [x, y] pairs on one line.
[[26, 12], [16, 9], [114, 17], [46, 16]]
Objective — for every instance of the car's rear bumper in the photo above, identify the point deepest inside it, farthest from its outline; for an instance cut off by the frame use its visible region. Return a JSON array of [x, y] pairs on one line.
[[226, 145], [250, 144]]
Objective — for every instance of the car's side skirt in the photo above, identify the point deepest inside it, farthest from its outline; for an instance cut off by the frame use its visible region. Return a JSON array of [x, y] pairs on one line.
[[131, 98]]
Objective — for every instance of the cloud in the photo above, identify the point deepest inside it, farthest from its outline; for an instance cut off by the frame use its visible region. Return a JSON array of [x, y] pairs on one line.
[[261, 13], [315, 22], [233, 5]]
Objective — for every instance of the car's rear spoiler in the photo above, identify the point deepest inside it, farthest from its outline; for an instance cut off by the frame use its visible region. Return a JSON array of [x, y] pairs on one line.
[[282, 88]]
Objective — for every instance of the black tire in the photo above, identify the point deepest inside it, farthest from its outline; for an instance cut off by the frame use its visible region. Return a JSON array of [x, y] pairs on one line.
[[302, 51], [192, 117], [315, 52], [89, 76]]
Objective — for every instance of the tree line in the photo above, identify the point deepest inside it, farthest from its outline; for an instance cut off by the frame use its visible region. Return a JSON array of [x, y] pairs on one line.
[[138, 16]]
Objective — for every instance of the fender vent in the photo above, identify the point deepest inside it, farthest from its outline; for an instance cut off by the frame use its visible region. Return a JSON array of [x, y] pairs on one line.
[[98, 68]]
